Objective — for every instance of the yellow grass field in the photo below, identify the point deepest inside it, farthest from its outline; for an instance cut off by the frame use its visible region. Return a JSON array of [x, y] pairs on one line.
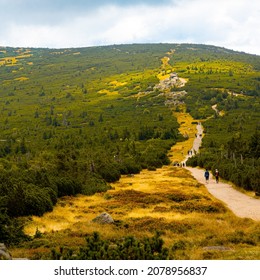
[[107, 92], [188, 129]]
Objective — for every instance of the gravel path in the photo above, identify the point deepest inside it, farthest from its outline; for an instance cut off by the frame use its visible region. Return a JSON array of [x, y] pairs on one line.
[[242, 205]]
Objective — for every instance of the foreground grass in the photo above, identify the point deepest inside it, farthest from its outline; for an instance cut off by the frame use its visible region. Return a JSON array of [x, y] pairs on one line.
[[194, 224]]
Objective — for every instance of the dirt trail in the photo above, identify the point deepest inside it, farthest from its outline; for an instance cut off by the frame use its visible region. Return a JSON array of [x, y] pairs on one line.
[[197, 142], [242, 205]]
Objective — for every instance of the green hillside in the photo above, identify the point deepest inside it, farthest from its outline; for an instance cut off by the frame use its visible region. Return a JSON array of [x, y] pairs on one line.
[[74, 120]]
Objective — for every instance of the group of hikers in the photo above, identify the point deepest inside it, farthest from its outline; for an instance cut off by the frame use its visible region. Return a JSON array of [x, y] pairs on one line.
[[216, 174]]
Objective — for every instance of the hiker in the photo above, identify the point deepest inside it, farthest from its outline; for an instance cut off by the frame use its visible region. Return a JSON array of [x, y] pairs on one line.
[[217, 175], [206, 175]]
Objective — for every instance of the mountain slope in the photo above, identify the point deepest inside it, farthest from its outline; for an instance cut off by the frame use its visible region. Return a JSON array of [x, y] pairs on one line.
[[75, 120]]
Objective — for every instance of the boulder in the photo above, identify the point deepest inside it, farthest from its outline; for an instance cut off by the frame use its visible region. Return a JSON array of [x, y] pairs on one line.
[[4, 254], [103, 218]]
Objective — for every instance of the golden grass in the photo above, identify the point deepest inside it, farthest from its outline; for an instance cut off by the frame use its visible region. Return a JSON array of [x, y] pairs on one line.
[[166, 69], [21, 79], [13, 60], [8, 61], [107, 92], [222, 113], [188, 128], [145, 194], [68, 211], [117, 83], [23, 56], [162, 76], [165, 61]]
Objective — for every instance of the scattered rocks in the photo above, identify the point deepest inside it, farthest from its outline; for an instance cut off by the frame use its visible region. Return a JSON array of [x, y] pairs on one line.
[[174, 98], [172, 81], [103, 218], [4, 254]]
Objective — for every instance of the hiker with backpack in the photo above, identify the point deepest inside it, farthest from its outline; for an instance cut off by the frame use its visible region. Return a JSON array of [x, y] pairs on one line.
[[206, 175]]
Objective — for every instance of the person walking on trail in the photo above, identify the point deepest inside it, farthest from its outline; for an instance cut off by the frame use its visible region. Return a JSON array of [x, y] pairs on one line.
[[217, 176], [206, 175]]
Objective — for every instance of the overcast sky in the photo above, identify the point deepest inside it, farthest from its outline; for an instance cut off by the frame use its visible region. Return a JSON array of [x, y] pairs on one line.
[[234, 24]]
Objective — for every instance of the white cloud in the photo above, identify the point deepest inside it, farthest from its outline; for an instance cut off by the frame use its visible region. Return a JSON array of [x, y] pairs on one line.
[[228, 23]]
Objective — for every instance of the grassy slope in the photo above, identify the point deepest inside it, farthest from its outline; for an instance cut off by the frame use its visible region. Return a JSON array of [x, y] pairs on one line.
[[73, 87], [77, 86]]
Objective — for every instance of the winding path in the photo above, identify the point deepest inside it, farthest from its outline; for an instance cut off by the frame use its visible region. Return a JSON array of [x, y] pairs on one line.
[[240, 204]]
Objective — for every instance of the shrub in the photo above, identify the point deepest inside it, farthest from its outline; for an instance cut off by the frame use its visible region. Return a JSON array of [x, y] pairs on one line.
[[94, 184], [11, 230], [130, 248], [130, 166], [36, 201], [67, 186]]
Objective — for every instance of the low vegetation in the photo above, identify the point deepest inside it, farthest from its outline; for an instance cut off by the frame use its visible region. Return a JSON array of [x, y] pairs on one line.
[[74, 121]]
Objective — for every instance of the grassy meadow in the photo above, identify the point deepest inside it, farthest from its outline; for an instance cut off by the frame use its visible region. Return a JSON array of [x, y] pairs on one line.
[[87, 130]]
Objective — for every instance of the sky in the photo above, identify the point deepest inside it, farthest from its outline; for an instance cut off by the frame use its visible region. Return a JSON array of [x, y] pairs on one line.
[[233, 24]]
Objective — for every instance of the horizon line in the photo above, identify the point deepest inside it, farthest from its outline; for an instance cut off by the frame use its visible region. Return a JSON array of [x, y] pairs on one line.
[[125, 44]]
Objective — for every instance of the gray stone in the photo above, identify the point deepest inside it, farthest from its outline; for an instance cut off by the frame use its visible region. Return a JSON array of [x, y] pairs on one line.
[[103, 218]]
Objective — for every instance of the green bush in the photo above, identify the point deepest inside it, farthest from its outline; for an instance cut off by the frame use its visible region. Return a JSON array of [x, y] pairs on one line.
[[11, 230], [36, 201], [130, 166], [67, 186], [94, 184]]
